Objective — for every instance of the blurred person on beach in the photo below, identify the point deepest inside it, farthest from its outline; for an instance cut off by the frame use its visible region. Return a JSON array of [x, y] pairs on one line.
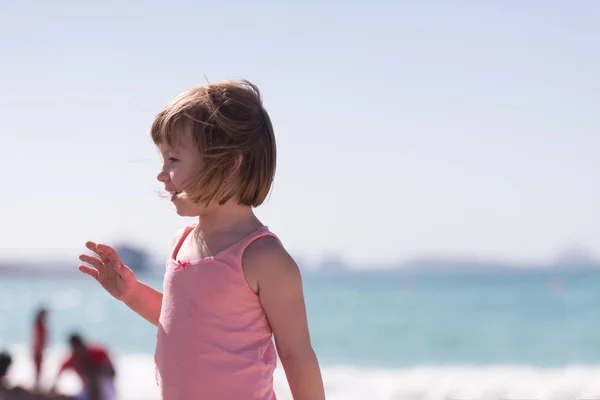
[[230, 286], [94, 367], [8, 392], [40, 338]]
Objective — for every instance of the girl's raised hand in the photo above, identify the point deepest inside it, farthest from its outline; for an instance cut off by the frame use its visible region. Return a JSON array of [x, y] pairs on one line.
[[109, 271]]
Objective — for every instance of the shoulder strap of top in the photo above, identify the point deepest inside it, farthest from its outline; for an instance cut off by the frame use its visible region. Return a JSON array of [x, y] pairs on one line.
[[180, 237], [248, 240]]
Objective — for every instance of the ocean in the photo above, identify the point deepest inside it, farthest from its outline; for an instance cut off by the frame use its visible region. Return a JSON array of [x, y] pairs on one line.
[[379, 335]]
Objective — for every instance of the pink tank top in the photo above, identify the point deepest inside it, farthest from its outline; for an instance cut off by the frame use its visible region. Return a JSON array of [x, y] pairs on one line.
[[214, 340]]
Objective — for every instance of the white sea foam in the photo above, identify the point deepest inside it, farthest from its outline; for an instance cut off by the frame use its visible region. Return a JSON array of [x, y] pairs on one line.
[[136, 381]]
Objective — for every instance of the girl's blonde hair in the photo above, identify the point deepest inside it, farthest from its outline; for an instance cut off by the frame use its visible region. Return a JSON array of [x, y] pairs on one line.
[[234, 138]]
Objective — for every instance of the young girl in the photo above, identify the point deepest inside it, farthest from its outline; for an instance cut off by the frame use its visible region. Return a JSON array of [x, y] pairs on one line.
[[229, 285]]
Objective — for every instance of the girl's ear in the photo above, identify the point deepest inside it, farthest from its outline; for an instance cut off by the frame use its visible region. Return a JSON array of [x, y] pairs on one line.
[[235, 169], [238, 163]]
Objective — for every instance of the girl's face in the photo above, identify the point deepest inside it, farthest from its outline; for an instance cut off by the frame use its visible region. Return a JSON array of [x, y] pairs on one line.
[[178, 169]]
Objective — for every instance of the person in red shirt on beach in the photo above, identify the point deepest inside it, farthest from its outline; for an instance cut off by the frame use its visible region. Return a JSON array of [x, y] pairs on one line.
[[40, 333], [95, 368]]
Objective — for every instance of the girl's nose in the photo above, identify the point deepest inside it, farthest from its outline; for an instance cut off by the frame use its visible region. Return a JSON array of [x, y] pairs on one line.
[[162, 176]]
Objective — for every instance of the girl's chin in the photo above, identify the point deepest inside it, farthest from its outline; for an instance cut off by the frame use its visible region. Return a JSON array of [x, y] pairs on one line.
[[184, 209], [187, 213]]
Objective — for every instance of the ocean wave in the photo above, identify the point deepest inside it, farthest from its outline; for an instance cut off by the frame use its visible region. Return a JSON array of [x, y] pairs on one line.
[[136, 381]]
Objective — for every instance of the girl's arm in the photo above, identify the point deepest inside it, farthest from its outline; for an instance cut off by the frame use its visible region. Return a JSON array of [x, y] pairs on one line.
[[146, 302], [281, 295], [120, 281]]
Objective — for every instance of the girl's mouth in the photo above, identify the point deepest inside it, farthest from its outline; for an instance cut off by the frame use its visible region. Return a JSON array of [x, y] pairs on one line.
[[175, 194]]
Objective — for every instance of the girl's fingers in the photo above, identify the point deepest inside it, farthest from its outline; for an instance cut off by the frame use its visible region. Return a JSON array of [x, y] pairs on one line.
[[107, 254], [91, 246], [108, 258], [94, 261], [93, 272]]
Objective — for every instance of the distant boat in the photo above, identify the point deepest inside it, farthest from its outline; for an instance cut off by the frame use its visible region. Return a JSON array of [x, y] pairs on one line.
[[134, 257]]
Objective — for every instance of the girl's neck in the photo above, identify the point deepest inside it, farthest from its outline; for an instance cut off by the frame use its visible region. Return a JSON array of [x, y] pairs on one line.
[[228, 217]]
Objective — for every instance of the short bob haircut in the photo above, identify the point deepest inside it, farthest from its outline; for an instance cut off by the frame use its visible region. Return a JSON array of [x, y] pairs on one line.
[[234, 138]]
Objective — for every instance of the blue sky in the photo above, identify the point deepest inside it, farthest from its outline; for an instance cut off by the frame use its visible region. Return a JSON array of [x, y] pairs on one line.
[[403, 128]]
